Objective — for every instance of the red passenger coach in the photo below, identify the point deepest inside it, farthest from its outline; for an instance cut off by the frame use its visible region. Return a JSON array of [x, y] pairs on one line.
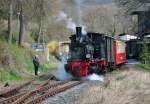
[[93, 53], [119, 52]]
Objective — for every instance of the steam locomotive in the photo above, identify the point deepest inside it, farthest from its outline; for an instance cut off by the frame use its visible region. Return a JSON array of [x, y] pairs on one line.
[[93, 53]]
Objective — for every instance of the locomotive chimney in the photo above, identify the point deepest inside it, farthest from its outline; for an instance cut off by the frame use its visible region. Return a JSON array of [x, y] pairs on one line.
[[78, 31]]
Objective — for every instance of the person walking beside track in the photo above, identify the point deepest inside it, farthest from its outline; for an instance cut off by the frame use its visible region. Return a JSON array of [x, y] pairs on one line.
[[36, 63]]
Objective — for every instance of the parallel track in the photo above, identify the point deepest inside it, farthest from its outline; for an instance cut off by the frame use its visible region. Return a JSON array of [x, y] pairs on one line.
[[10, 95], [40, 93], [15, 90], [53, 91], [43, 87]]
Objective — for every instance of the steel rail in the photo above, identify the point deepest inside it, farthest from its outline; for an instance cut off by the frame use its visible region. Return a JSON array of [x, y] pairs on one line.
[[54, 91], [15, 90], [39, 89], [12, 99]]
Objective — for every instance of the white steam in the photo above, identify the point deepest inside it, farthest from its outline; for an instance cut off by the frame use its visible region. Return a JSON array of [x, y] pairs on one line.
[[61, 74], [95, 77]]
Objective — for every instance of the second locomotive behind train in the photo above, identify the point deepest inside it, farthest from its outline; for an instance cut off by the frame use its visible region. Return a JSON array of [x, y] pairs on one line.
[[93, 53]]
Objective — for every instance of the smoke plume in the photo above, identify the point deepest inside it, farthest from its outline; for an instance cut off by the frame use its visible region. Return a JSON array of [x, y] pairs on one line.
[[78, 12], [70, 24]]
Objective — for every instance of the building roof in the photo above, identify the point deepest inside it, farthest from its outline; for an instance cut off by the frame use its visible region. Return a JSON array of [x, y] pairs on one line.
[[143, 8], [127, 37], [147, 36], [144, 1]]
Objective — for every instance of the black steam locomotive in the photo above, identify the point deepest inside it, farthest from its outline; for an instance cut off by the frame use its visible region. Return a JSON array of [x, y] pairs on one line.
[[93, 53]]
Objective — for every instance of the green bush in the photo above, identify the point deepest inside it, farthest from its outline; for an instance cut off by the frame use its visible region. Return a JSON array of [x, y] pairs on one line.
[[145, 54], [4, 34], [34, 35]]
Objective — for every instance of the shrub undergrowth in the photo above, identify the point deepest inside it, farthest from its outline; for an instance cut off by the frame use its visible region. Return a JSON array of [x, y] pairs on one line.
[[15, 61]]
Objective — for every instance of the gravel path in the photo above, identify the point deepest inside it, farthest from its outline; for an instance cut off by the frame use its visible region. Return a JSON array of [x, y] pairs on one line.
[[131, 85]]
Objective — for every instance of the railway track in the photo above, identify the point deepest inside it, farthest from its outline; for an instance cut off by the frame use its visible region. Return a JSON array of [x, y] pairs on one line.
[[38, 93], [53, 91], [12, 94], [13, 91]]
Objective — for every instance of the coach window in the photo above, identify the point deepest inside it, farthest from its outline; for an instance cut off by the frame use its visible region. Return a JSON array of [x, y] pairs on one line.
[[120, 47]]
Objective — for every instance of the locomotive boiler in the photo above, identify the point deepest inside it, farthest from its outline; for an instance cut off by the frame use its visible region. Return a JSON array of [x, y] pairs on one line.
[[93, 53]]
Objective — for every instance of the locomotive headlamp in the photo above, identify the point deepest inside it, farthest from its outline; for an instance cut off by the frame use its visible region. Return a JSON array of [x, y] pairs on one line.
[[88, 56]]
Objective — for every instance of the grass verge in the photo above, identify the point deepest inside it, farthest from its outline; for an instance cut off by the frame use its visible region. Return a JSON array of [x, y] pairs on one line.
[[48, 67], [144, 66], [9, 76], [13, 75], [16, 63]]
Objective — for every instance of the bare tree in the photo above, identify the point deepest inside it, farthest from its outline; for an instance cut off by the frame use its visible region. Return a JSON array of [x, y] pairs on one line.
[[44, 9], [130, 5], [10, 21], [100, 19], [7, 13], [9, 6], [109, 19], [40, 13], [21, 20]]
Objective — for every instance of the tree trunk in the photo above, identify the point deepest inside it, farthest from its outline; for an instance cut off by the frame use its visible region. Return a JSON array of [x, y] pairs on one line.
[[21, 31], [10, 22], [40, 31]]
